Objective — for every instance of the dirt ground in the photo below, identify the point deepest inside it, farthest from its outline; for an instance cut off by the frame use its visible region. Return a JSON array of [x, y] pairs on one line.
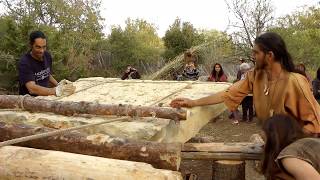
[[222, 130]]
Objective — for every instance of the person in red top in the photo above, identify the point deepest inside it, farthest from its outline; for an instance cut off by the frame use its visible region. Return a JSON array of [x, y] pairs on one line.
[[217, 74]]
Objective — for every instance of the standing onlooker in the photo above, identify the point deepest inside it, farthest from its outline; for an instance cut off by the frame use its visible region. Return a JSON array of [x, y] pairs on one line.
[[301, 68], [247, 102], [316, 86], [217, 74], [239, 71]]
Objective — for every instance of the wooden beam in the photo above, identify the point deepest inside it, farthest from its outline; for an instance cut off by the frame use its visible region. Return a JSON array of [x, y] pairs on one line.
[[219, 156], [160, 155], [71, 108], [28, 163], [222, 151], [254, 148]]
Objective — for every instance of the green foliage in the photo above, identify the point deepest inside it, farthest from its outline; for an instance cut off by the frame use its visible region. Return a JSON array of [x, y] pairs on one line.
[[179, 37], [302, 35], [136, 43], [218, 46]]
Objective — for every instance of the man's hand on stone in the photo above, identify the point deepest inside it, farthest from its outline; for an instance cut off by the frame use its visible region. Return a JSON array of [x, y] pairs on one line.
[[182, 102], [65, 88]]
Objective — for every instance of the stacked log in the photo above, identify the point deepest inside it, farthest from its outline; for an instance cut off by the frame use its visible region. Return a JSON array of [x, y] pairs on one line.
[[160, 155], [27, 163], [71, 108]]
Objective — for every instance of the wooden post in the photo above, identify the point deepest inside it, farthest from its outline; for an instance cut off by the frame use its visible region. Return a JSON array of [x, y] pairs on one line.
[[27, 163], [160, 155], [228, 170], [71, 108], [256, 164], [230, 156]]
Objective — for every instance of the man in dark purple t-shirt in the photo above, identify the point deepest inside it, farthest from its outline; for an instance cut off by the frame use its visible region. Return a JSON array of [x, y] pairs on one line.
[[35, 68]]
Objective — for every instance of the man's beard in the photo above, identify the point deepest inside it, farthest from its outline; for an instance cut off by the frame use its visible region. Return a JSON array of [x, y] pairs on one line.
[[261, 64]]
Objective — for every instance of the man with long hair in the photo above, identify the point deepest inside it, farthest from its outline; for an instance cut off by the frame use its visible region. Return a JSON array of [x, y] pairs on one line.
[[276, 88]]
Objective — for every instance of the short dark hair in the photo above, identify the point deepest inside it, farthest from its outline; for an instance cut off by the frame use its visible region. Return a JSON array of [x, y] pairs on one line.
[[318, 73], [270, 41], [36, 34]]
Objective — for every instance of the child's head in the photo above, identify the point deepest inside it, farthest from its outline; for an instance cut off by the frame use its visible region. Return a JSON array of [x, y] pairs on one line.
[[190, 64]]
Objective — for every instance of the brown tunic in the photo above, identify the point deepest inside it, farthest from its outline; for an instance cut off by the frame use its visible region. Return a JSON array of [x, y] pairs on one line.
[[290, 94], [306, 149]]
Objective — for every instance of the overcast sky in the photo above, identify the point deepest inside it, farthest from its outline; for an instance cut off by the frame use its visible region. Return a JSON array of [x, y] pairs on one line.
[[203, 14]]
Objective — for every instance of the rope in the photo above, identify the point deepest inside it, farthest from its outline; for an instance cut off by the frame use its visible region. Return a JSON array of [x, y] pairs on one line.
[[22, 101], [57, 132], [173, 93]]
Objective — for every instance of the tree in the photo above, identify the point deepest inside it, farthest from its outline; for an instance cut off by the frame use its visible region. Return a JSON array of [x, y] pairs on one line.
[[137, 43], [251, 18], [301, 31], [179, 37]]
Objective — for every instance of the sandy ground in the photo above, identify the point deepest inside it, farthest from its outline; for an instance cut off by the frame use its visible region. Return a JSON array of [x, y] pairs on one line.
[[222, 130]]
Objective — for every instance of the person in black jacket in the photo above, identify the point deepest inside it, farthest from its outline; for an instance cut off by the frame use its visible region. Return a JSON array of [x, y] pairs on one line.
[[131, 73]]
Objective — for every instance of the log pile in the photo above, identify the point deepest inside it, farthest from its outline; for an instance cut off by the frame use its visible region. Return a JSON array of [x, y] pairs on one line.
[[160, 155], [28, 163]]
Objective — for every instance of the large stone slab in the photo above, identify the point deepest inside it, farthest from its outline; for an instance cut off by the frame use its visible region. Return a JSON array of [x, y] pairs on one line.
[[133, 92]]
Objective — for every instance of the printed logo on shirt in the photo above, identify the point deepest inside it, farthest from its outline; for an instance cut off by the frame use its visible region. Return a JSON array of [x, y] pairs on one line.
[[42, 74]]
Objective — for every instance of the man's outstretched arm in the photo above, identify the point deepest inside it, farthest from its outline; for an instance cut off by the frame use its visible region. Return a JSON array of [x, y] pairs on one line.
[[209, 100]]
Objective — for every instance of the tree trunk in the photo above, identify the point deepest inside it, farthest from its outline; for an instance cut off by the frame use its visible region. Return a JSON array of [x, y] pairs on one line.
[[70, 108], [228, 170], [160, 155], [28, 163]]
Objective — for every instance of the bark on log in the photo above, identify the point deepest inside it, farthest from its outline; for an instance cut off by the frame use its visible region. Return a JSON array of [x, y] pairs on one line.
[[160, 155], [228, 170], [27, 163], [71, 108]]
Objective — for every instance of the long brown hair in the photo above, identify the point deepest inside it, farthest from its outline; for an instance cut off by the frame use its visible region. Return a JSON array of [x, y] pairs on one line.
[[214, 72], [280, 131], [270, 41]]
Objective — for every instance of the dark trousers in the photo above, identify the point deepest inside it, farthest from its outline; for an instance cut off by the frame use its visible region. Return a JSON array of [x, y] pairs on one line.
[[247, 105]]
